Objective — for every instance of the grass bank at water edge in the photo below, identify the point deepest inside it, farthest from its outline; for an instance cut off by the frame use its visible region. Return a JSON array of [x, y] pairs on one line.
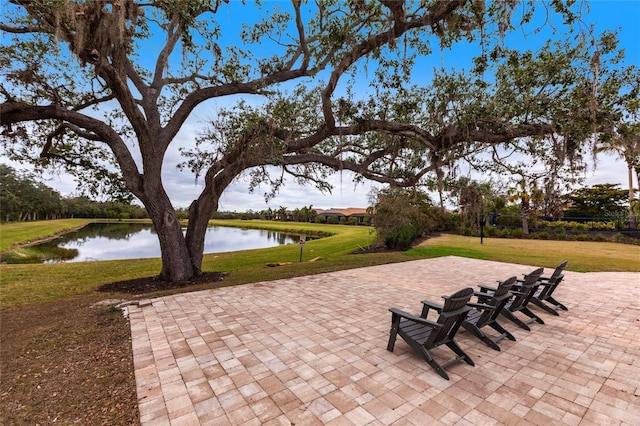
[[33, 283]]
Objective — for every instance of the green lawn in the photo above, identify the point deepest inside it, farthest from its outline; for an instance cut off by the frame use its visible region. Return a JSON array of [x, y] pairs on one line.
[[583, 256], [21, 232], [31, 283]]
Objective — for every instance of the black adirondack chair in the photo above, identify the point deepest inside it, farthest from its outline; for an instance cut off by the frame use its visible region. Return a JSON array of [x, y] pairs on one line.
[[486, 312], [544, 296], [424, 335], [520, 301]]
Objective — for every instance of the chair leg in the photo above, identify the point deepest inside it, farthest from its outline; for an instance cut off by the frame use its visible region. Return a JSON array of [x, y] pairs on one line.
[[480, 335], [531, 315], [539, 303], [507, 313], [432, 362], [558, 304], [458, 351], [393, 333], [491, 343], [500, 329]]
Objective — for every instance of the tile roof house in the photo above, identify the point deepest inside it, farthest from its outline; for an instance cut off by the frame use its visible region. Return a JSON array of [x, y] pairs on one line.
[[358, 213]]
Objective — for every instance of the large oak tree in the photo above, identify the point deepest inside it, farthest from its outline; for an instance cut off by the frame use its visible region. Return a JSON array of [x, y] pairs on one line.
[[90, 83]]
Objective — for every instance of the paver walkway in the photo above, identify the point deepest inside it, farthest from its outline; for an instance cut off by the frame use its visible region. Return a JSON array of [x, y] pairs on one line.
[[312, 350]]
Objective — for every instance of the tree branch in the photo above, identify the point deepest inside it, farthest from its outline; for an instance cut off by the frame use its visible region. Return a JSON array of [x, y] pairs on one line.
[[401, 25], [20, 30], [337, 164], [15, 112], [93, 102], [174, 32]]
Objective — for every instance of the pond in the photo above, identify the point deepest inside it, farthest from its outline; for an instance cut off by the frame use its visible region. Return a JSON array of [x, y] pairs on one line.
[[111, 241]]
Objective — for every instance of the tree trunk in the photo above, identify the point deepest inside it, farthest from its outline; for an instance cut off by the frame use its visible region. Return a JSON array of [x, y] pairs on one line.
[[524, 211], [440, 184], [196, 231], [177, 265], [525, 224], [633, 220], [200, 212]]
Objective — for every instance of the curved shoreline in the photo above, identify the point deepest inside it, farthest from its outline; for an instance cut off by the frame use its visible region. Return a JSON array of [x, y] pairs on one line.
[[46, 239]]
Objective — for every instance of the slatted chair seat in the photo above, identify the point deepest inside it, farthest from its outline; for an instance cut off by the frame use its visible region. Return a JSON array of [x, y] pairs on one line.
[[486, 311], [473, 316], [520, 301], [423, 334]]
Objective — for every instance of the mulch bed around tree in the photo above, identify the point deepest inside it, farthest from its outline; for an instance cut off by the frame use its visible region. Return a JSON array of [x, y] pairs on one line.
[[152, 284], [381, 248]]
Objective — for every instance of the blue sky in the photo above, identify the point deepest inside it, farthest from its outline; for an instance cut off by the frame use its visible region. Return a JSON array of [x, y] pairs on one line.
[[605, 14]]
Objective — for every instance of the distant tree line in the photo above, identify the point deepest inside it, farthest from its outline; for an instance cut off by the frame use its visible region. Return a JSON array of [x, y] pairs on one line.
[[24, 198], [401, 216], [281, 214]]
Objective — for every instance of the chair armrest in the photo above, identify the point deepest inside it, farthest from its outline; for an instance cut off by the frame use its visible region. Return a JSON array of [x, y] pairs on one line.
[[480, 306], [485, 288], [414, 318], [482, 297], [432, 305], [426, 305], [551, 277]]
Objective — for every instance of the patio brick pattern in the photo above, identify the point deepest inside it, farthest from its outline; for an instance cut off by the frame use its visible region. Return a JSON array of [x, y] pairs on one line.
[[312, 350]]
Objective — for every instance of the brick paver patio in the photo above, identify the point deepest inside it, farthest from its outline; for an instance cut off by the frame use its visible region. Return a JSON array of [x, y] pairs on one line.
[[312, 350]]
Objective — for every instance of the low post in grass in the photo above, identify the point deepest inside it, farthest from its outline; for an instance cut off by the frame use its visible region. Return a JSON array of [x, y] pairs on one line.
[[303, 239]]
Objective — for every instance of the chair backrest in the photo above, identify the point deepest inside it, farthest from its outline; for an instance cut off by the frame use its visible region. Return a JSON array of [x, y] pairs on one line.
[[528, 289], [553, 281], [498, 299], [558, 271], [453, 312], [502, 292]]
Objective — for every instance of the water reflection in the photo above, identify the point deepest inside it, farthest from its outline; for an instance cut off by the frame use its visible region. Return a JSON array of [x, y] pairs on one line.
[[130, 241]]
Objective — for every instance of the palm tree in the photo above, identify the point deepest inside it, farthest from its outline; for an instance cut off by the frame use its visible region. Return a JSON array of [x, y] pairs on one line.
[[311, 213], [281, 213], [474, 200], [626, 145], [530, 198]]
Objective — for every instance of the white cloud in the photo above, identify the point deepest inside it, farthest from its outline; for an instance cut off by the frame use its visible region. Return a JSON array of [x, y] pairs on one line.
[[63, 183], [237, 196], [183, 188], [345, 194], [609, 169]]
